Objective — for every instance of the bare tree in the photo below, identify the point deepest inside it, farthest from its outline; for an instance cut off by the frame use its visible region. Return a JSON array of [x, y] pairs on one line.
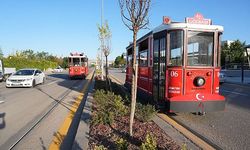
[[135, 16], [105, 38]]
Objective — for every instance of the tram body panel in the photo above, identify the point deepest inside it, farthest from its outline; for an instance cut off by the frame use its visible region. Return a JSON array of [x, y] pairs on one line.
[[185, 82]]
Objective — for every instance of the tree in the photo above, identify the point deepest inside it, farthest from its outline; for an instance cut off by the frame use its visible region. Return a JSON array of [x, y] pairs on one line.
[[233, 53], [120, 61], [237, 51], [1, 53], [65, 62], [105, 38], [42, 55], [134, 16], [225, 54]]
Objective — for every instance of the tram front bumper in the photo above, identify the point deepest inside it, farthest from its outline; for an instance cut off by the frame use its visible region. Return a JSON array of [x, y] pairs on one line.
[[184, 104]]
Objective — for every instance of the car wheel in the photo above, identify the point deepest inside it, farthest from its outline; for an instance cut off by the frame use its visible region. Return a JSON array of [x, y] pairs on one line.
[[43, 81], [33, 83]]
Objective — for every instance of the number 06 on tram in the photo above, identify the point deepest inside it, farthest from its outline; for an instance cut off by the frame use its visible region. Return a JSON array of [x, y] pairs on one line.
[[179, 65]]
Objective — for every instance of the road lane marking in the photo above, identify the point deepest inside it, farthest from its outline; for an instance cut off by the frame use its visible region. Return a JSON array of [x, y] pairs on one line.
[[62, 132], [237, 93]]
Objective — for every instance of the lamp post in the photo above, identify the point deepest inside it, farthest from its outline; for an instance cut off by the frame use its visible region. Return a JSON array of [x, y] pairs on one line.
[[102, 44]]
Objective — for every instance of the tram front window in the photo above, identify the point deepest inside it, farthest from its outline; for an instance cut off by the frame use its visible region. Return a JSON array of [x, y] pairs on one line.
[[176, 48], [84, 62], [200, 48], [76, 61]]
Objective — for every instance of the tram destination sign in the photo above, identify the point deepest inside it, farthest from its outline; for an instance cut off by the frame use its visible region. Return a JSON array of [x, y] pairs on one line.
[[198, 19]]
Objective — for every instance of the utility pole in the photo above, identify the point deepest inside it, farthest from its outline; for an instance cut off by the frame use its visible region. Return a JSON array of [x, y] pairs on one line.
[[102, 40]]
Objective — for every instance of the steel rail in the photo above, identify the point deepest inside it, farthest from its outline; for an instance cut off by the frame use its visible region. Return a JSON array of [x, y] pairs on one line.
[[56, 103]]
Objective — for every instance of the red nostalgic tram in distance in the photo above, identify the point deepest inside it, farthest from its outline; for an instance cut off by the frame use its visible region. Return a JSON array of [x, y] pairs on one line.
[[78, 65], [179, 65]]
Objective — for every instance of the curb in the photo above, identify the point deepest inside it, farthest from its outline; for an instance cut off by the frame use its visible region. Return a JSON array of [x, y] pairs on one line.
[[68, 129], [82, 135]]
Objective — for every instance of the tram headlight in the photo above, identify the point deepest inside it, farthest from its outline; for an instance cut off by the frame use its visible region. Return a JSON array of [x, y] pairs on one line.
[[199, 81]]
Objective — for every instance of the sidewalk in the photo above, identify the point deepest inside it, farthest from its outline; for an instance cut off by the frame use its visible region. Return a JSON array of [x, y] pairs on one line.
[[82, 135]]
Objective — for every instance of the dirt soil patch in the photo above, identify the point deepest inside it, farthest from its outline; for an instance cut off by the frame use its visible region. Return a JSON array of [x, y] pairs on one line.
[[107, 135]]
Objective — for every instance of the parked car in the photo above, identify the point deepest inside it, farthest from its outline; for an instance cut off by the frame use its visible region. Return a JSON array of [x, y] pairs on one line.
[[26, 78], [5, 72], [222, 77], [58, 69], [124, 70], [1, 76]]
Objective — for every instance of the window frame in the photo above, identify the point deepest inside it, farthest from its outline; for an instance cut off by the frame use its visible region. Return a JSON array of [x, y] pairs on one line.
[[144, 64], [169, 64], [213, 50]]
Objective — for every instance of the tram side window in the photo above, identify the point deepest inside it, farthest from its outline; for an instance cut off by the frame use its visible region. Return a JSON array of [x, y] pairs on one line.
[[200, 48], [129, 62], [143, 58], [176, 48]]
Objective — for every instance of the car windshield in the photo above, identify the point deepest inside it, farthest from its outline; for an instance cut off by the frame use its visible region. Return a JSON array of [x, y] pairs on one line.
[[24, 72]]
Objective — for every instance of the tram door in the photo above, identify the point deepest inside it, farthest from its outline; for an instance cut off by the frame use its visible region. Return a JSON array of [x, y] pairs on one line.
[[159, 69]]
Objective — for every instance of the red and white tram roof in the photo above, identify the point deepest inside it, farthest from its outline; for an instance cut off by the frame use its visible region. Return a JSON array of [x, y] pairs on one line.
[[77, 55], [198, 22], [174, 26]]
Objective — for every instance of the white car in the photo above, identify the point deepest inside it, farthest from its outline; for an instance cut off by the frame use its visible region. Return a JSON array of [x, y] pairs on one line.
[[26, 78], [58, 69], [1, 76], [222, 77], [123, 70]]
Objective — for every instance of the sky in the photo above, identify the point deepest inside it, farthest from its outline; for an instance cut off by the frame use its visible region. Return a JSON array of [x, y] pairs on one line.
[[63, 26]]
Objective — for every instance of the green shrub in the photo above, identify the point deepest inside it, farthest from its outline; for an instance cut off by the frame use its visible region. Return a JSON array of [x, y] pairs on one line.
[[20, 63], [118, 90], [100, 147], [150, 143], [184, 146], [144, 112], [108, 107], [102, 118], [121, 144]]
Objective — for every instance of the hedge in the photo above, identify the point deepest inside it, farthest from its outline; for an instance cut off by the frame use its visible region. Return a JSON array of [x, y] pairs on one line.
[[19, 63]]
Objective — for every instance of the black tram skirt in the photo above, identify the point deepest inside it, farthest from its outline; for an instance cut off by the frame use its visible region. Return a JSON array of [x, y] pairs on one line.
[[196, 106]]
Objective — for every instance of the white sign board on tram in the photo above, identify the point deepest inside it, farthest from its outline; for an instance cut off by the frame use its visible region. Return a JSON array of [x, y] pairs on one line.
[[198, 19]]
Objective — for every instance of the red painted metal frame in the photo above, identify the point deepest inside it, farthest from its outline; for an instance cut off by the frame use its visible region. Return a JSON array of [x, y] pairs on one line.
[[179, 83]]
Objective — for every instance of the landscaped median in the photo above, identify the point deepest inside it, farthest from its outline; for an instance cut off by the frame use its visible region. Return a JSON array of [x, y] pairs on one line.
[[109, 127]]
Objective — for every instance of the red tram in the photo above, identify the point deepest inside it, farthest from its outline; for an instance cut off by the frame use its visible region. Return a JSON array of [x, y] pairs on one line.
[[78, 65], [179, 65]]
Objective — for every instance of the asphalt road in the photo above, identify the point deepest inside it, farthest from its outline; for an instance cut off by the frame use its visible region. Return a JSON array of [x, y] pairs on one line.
[[23, 107], [228, 129]]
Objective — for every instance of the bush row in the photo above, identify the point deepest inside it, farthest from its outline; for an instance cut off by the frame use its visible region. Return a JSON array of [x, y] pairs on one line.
[[114, 104], [108, 107], [121, 144], [19, 63]]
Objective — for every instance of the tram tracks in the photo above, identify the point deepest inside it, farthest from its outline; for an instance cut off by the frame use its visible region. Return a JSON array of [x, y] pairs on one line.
[[52, 106], [198, 139]]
